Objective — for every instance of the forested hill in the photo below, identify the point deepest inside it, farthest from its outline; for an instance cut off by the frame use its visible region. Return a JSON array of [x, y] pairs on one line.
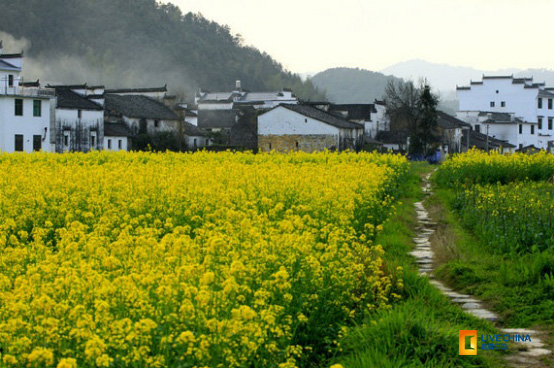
[[131, 43], [352, 85]]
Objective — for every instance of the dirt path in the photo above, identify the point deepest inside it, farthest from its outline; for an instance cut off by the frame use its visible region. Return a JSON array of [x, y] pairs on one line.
[[528, 354]]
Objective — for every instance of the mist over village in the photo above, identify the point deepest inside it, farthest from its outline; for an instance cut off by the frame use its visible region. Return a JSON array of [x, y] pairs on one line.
[[214, 184]]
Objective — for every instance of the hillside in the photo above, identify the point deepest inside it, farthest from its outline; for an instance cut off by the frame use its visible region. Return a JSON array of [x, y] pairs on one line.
[[129, 43], [351, 85]]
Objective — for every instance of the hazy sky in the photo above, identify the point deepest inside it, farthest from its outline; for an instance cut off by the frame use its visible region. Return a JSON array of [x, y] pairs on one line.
[[313, 35]]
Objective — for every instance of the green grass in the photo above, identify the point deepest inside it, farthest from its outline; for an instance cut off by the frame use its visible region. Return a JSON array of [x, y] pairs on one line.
[[422, 329], [517, 286]]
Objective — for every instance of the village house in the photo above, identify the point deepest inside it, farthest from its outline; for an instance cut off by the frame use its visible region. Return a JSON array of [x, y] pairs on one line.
[[143, 116], [78, 119], [294, 127], [513, 109], [25, 121]]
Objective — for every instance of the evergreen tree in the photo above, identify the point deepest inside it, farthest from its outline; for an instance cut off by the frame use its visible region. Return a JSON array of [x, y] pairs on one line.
[[425, 138]]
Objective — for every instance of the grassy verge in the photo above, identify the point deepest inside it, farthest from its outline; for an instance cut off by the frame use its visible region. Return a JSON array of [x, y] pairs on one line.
[[512, 285], [422, 329]]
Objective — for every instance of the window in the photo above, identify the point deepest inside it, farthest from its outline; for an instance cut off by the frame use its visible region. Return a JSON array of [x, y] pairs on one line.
[[10, 80], [109, 144], [19, 142], [195, 145], [478, 128], [297, 146], [305, 120], [119, 144], [270, 146], [549, 123], [18, 107], [520, 128], [492, 103], [92, 139], [37, 108], [540, 123], [66, 139], [503, 104], [539, 104], [79, 114], [37, 142], [549, 104], [532, 129], [156, 123]]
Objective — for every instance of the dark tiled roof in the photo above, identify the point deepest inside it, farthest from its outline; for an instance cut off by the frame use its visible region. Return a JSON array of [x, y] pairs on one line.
[[380, 102], [546, 93], [498, 76], [446, 121], [116, 130], [216, 118], [68, 86], [479, 140], [462, 88], [529, 149], [67, 99], [95, 97], [11, 56], [322, 116], [30, 84], [393, 137], [193, 131], [496, 116], [137, 106], [138, 90], [354, 111]]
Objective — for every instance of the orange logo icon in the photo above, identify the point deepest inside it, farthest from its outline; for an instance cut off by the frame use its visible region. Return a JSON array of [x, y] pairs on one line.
[[468, 342]]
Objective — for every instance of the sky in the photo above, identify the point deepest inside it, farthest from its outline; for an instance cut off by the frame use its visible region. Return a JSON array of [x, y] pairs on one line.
[[308, 36]]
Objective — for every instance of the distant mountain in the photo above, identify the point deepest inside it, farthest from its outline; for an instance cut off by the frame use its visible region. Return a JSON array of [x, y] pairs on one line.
[[445, 77], [351, 85], [123, 43]]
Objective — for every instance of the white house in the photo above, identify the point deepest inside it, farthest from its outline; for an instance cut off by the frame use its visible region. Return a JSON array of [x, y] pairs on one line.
[[79, 118], [141, 114], [24, 112], [116, 137], [513, 109], [292, 127]]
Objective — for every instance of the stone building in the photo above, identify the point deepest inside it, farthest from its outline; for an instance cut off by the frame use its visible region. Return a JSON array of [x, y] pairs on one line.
[[306, 128]]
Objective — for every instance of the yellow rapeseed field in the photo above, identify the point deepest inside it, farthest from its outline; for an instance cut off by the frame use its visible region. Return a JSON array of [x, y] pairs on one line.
[[189, 260]]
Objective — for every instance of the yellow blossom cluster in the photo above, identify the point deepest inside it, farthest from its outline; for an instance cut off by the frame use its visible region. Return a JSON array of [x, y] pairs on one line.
[[478, 167], [189, 260]]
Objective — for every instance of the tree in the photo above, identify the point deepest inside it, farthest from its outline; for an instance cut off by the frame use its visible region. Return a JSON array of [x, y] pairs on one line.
[[414, 110], [425, 137]]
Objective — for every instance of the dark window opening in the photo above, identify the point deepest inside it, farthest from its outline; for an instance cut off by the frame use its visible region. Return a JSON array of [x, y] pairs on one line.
[[532, 129], [540, 123], [37, 108], [549, 123], [93, 141], [549, 104], [503, 104], [18, 107], [492, 103], [109, 144], [37, 142], [19, 142], [79, 114], [297, 146], [156, 123], [520, 128], [478, 128], [10, 80], [66, 140], [539, 103], [119, 144]]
